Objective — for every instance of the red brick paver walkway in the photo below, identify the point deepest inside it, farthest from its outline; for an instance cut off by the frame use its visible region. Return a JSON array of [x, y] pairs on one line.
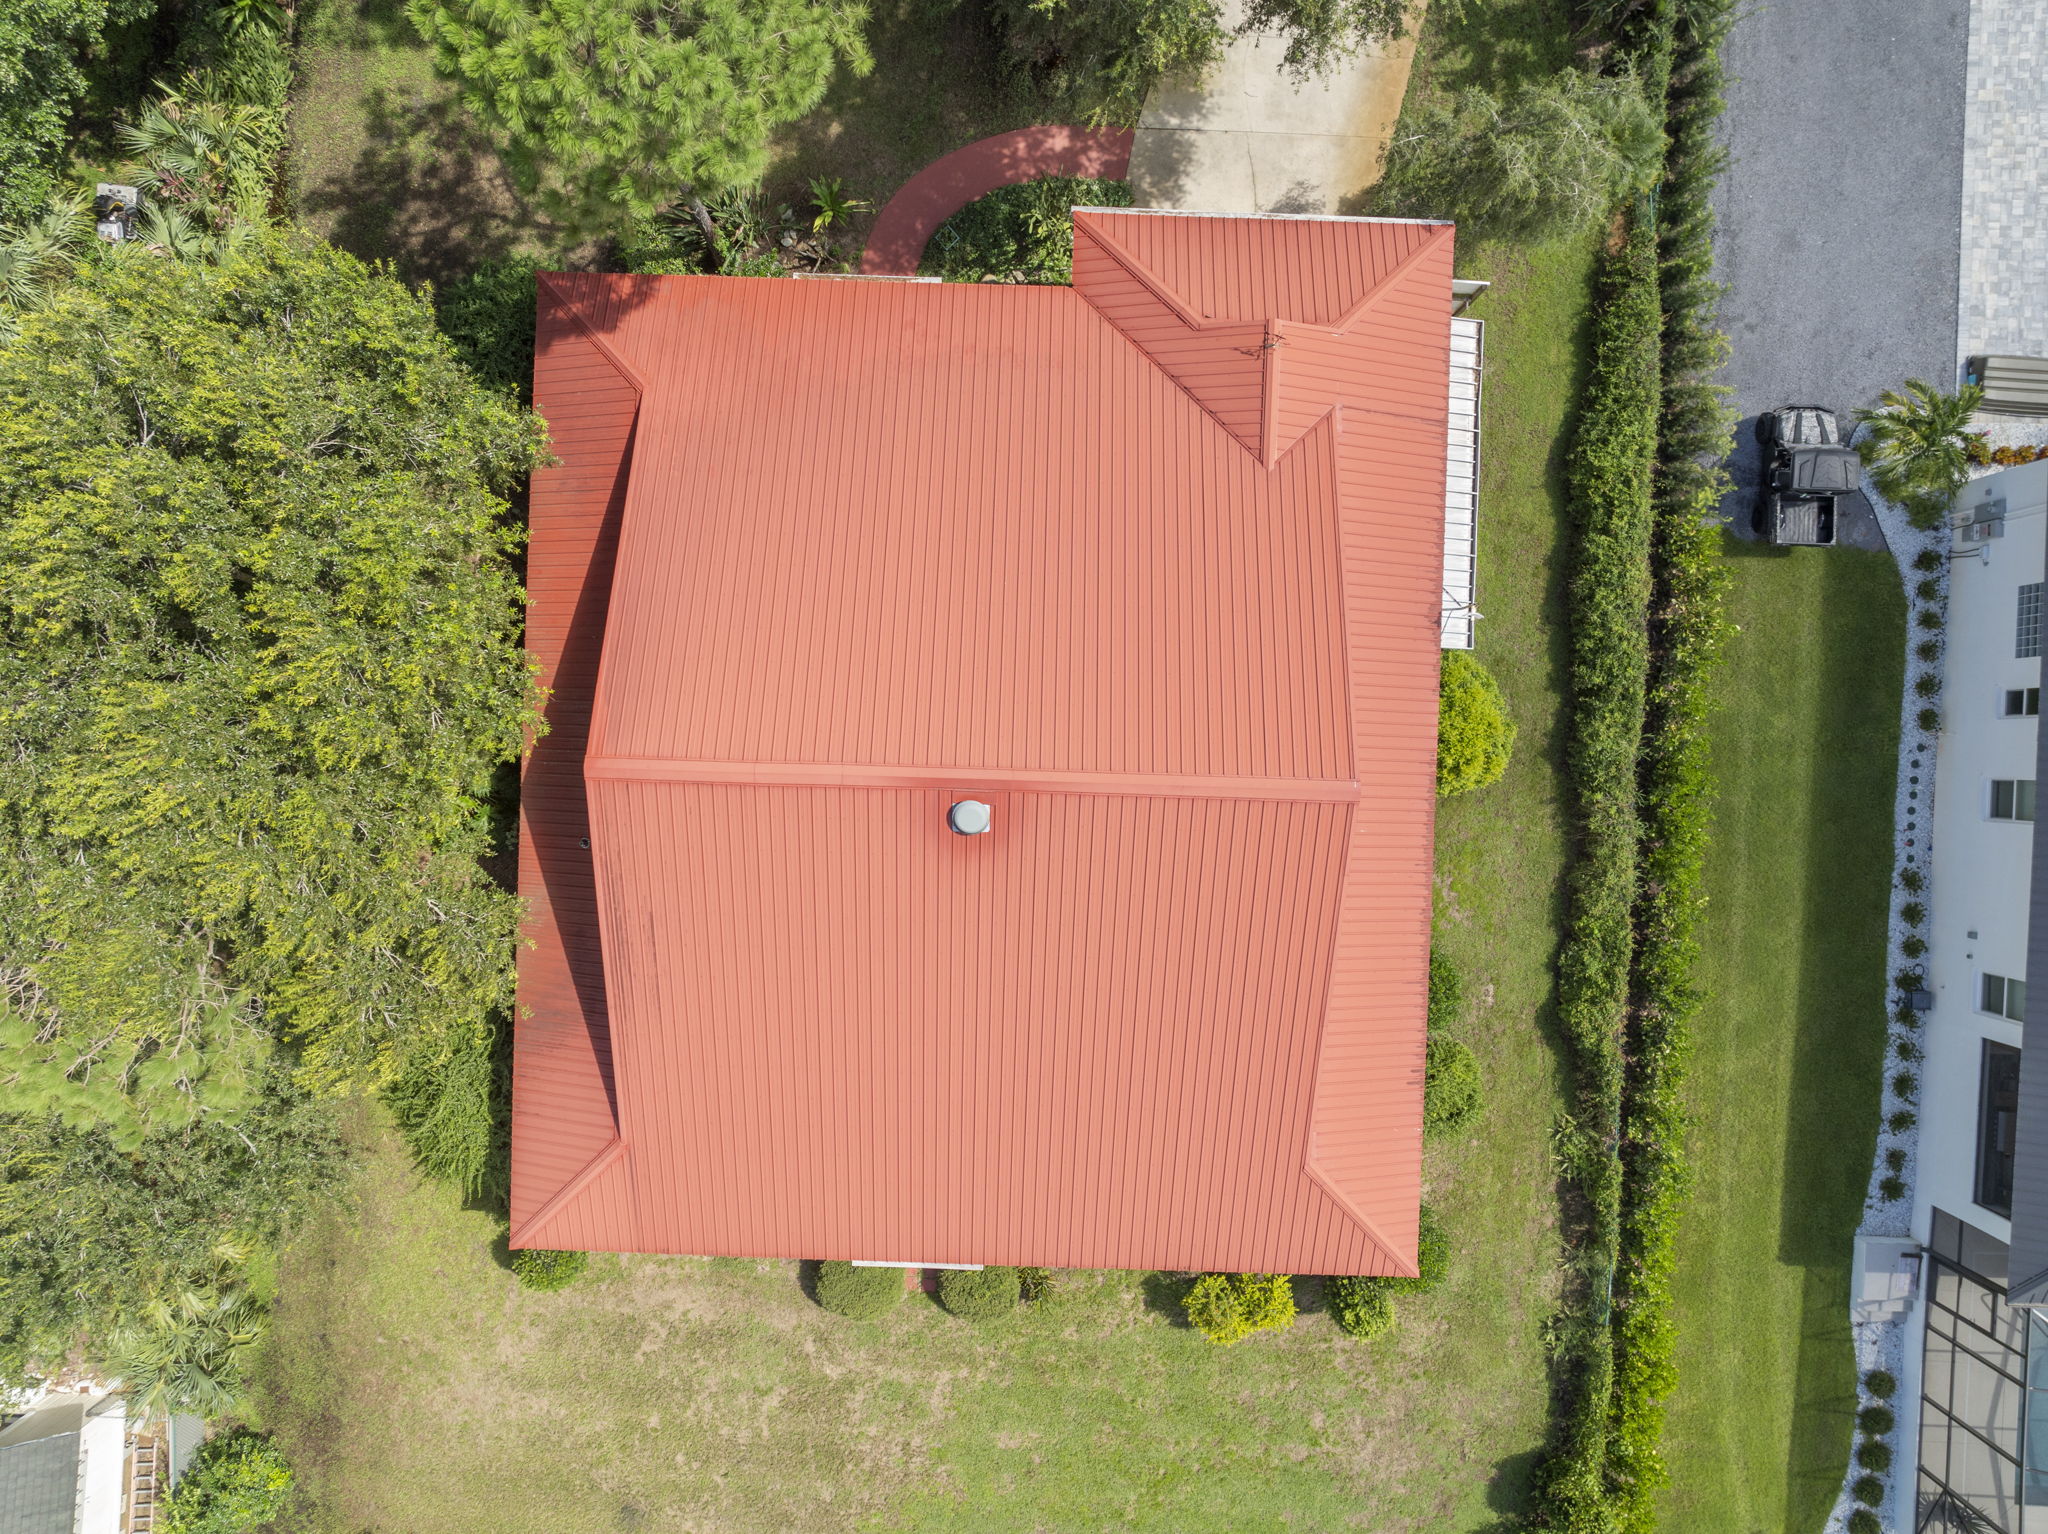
[[951, 182]]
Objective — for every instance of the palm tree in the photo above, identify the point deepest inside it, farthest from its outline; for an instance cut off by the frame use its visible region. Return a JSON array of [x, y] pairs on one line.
[[1915, 445], [212, 158], [36, 254], [187, 1351]]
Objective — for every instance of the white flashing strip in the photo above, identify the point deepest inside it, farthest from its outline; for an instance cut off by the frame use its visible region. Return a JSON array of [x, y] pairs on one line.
[[1461, 485], [1299, 218], [955, 1267], [102, 1455]]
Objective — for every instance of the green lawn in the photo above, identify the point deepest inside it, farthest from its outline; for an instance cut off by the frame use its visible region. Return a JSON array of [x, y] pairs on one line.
[[1786, 1082], [415, 1384], [406, 1372]]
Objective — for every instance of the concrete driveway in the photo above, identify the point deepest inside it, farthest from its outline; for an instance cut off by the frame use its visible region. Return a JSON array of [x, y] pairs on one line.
[[1839, 216], [1246, 137]]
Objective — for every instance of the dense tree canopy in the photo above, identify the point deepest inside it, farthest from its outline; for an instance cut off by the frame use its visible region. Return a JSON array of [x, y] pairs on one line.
[[40, 45], [612, 108], [259, 660], [1543, 159], [89, 1232]]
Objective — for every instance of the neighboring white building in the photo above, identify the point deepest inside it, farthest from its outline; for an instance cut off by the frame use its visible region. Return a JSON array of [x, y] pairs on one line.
[[1964, 1402]]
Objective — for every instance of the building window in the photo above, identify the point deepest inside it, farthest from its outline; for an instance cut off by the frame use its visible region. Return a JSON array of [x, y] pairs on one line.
[[2012, 798], [1973, 1384], [2027, 643], [2022, 702], [1998, 1107], [2003, 998]]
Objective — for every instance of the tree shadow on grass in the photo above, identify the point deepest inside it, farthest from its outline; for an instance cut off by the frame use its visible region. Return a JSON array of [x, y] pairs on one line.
[[1163, 1294], [428, 192]]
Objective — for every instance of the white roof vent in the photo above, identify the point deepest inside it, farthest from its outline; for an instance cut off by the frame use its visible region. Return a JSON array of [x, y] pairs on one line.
[[970, 817]]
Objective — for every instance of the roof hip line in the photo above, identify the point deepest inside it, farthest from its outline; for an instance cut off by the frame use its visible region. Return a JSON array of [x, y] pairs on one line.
[[994, 779]]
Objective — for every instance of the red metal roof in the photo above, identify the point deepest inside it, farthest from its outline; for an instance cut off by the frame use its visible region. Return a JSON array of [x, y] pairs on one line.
[[1152, 565]]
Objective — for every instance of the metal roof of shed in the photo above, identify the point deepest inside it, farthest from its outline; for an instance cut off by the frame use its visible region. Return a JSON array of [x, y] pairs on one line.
[[1152, 565]]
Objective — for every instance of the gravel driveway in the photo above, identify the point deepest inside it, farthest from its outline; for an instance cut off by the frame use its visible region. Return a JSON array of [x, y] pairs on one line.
[[1840, 213]]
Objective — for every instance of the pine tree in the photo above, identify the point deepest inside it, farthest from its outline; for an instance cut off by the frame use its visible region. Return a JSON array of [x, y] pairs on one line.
[[610, 109]]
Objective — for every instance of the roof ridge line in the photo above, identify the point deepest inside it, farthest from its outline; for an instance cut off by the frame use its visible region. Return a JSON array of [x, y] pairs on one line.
[[1352, 1212], [1380, 289], [573, 309], [564, 1195], [644, 769]]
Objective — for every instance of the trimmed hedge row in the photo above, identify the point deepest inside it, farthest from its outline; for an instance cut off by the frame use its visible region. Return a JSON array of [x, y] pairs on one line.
[[1608, 478], [1648, 624], [1688, 631]]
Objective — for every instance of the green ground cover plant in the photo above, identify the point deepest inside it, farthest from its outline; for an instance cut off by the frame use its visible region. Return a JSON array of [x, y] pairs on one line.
[[546, 1271], [1021, 233], [238, 1483]]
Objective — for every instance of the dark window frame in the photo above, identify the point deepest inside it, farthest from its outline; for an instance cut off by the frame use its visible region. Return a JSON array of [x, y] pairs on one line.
[[1991, 1187]]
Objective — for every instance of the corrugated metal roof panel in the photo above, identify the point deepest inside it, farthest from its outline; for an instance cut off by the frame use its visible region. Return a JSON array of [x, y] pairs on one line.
[[886, 546]]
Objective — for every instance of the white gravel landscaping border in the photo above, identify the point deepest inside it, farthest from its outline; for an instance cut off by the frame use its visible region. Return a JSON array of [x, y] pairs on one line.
[[1881, 1344]]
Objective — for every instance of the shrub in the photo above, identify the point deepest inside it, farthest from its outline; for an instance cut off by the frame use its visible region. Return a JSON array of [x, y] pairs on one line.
[[1872, 1455], [1868, 1490], [1474, 736], [862, 1293], [1901, 1121], [1864, 1521], [1929, 720], [1912, 913], [1911, 880], [1891, 1189], [1927, 559], [1451, 1091], [1928, 618], [1895, 1159], [1927, 590], [1021, 233], [1361, 1307], [1879, 1383], [1905, 1084], [1432, 1257], [1229, 1307], [1446, 994], [537, 1268], [1912, 945], [488, 314], [1038, 1286], [1876, 1420], [1928, 650], [1907, 1050], [1926, 685], [1909, 979], [982, 1294], [236, 1483]]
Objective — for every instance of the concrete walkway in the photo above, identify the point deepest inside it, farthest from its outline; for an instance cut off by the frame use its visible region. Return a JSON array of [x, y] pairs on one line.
[[1248, 138]]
